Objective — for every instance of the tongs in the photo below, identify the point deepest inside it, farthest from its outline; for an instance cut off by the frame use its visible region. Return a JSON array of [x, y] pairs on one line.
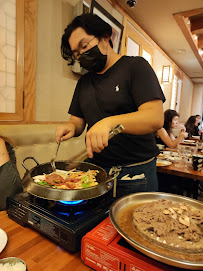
[[81, 156], [53, 159]]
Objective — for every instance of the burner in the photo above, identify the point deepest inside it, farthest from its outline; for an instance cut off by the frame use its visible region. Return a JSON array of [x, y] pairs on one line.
[[73, 202], [65, 224]]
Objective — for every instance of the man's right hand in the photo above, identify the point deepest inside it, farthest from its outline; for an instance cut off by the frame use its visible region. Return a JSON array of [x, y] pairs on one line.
[[65, 132]]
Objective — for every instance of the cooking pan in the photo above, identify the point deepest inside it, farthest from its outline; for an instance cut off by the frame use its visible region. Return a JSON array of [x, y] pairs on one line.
[[105, 182], [155, 252]]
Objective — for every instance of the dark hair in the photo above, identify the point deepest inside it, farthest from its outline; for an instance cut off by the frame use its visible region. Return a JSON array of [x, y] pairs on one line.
[[190, 125], [168, 117], [92, 24]]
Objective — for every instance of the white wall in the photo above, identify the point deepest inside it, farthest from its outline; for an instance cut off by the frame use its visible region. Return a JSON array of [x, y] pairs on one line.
[[186, 99], [197, 104], [55, 82]]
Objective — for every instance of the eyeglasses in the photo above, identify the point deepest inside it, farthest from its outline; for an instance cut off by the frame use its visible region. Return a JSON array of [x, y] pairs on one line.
[[75, 54]]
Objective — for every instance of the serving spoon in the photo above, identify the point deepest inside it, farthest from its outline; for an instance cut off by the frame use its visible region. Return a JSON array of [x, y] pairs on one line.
[[54, 158]]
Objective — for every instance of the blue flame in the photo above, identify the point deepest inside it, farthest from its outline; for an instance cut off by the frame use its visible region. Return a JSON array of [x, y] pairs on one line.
[[68, 214], [73, 202]]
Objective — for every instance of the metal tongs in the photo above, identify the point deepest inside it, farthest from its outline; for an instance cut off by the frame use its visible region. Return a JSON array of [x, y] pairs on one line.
[[53, 159], [81, 156]]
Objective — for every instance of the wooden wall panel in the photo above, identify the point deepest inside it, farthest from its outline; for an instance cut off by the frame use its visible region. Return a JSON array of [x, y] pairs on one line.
[[30, 59]]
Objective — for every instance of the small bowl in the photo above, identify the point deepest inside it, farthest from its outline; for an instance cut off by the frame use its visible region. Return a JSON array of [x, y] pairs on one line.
[[12, 260]]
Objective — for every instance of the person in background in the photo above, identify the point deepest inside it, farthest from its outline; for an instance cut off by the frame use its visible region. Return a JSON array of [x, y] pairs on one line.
[[191, 126], [10, 182], [164, 135], [180, 126], [116, 90], [199, 130], [199, 126]]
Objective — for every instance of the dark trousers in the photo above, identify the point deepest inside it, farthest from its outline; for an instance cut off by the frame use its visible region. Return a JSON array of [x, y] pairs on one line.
[[147, 184]]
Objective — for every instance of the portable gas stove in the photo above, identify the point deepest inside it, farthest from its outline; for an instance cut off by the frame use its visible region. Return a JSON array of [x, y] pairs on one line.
[[103, 248], [63, 222]]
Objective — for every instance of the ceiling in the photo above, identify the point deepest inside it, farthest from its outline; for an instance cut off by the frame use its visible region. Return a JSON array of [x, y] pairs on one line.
[[173, 33]]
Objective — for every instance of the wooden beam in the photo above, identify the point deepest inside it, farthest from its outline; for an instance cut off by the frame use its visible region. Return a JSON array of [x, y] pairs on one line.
[[182, 22], [190, 13]]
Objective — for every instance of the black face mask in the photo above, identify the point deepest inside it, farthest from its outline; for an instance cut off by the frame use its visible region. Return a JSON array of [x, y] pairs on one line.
[[93, 60]]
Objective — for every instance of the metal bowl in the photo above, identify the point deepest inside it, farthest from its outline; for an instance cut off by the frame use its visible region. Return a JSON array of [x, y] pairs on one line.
[[142, 198], [12, 260]]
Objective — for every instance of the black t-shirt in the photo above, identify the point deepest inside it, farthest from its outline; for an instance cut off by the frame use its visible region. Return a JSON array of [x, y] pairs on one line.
[[196, 131], [159, 140], [126, 85]]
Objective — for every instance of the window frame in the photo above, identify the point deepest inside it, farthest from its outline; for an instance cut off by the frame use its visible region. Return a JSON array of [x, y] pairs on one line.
[[26, 46], [19, 74], [179, 77], [140, 39]]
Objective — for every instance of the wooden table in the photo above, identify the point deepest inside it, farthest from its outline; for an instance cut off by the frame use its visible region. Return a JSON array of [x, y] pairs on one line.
[[182, 172], [39, 253], [188, 173]]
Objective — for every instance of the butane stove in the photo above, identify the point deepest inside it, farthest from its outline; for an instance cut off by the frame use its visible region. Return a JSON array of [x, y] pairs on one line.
[[104, 249], [63, 222]]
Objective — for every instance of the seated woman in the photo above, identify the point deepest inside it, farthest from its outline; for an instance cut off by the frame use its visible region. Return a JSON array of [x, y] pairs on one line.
[[191, 126], [10, 182], [164, 135], [200, 124]]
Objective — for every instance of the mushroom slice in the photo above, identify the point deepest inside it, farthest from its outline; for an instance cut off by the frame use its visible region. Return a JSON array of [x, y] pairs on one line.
[[183, 207], [185, 220], [166, 212], [174, 215]]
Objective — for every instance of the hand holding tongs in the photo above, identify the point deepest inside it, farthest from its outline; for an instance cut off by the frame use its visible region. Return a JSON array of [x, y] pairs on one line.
[[53, 159], [78, 158]]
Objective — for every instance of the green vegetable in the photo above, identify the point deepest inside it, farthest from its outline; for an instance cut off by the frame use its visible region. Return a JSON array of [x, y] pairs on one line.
[[85, 185], [84, 179], [42, 183]]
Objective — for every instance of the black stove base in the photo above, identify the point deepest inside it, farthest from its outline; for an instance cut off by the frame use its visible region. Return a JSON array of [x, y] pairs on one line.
[[65, 225]]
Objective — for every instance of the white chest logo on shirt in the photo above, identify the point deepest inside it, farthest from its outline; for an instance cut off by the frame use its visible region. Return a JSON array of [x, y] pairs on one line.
[[117, 88]]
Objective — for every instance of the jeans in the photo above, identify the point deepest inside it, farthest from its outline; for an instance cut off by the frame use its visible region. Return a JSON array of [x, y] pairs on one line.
[[149, 183]]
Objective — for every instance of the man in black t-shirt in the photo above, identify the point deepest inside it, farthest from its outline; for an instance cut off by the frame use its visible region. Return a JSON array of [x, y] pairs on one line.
[[116, 90]]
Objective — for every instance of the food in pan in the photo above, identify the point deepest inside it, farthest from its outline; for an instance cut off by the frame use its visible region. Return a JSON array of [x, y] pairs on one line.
[[73, 179], [172, 225]]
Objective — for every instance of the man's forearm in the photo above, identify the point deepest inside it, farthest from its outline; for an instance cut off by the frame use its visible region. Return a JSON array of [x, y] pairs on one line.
[[79, 125]]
